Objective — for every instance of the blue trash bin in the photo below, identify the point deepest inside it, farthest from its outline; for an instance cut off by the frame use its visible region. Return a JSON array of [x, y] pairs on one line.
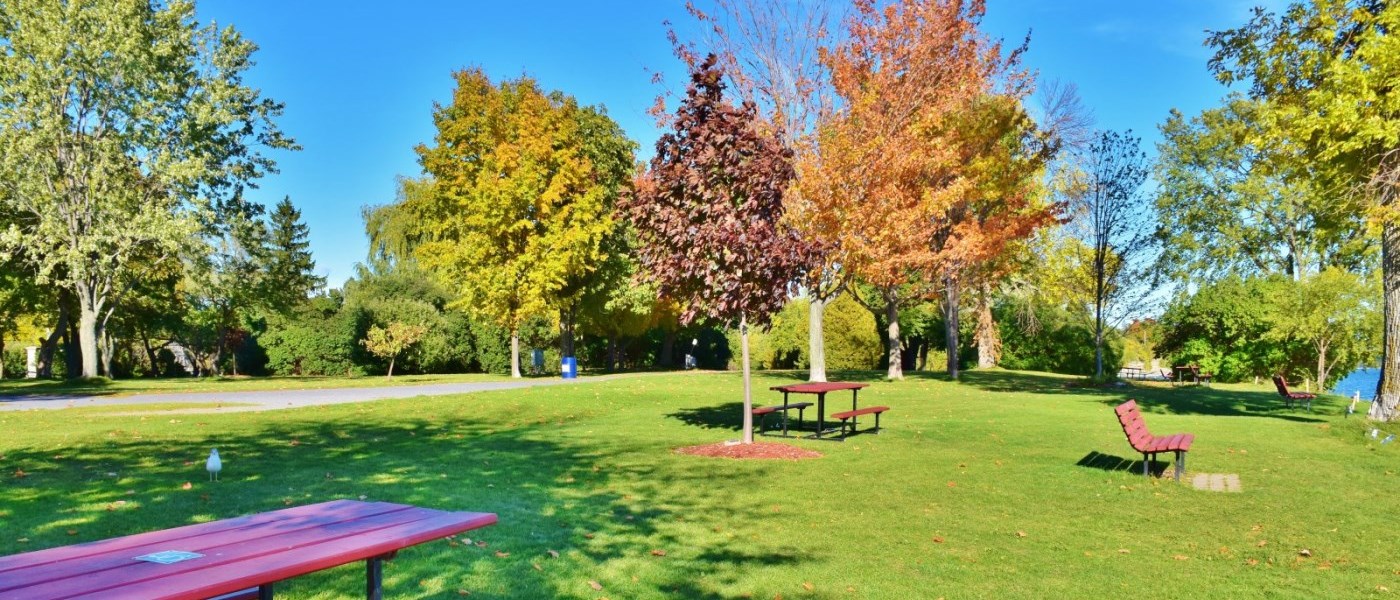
[[568, 367]]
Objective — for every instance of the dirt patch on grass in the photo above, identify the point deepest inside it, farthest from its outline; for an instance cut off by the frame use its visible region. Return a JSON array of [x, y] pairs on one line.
[[759, 450]]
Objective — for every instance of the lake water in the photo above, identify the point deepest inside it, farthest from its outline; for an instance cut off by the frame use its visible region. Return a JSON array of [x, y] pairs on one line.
[[1363, 380]]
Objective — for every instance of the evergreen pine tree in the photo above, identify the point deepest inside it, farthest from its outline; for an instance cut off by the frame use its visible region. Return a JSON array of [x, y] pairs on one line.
[[290, 268]]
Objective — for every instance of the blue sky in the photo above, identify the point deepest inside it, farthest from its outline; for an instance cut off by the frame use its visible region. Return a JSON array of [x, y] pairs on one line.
[[359, 79]]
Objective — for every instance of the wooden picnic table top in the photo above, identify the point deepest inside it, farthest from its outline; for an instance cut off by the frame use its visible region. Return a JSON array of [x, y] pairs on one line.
[[238, 553], [818, 387]]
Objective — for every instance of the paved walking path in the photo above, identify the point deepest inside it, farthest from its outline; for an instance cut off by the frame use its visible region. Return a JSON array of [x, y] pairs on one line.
[[279, 399]]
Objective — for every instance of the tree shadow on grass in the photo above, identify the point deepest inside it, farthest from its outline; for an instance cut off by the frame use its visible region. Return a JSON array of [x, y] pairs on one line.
[[1219, 402], [1107, 462], [1183, 400], [728, 416], [573, 498]]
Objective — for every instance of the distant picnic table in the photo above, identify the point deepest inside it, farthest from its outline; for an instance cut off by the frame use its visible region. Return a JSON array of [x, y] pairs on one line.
[[233, 558]]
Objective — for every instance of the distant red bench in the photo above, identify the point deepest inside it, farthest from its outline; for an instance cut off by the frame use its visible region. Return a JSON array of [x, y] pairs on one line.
[[850, 417], [1150, 445], [764, 411], [1291, 397]]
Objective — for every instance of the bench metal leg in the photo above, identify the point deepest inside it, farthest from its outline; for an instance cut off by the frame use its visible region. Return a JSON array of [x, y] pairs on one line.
[[265, 591], [877, 423], [1180, 464], [1145, 463], [374, 578]]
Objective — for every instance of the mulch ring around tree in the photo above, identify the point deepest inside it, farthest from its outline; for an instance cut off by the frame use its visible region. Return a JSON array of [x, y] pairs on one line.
[[758, 450]]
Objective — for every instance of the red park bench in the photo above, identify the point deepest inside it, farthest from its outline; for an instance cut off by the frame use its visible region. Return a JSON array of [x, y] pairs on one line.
[[1290, 397], [233, 558], [1150, 445]]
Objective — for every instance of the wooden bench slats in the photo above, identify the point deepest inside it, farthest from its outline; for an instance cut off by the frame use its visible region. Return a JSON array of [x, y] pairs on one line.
[[864, 411], [249, 572], [12, 567], [763, 410], [119, 564]]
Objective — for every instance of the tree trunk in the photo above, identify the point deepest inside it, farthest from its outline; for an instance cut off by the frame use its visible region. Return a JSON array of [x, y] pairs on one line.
[[49, 345], [1322, 367], [667, 358], [515, 352], [150, 352], [612, 353], [1384, 408], [104, 339], [390, 374], [816, 344], [950, 322], [896, 367], [566, 332], [89, 306], [988, 338], [748, 397]]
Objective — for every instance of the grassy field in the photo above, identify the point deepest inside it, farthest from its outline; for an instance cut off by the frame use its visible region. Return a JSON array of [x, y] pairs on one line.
[[1005, 485], [28, 388]]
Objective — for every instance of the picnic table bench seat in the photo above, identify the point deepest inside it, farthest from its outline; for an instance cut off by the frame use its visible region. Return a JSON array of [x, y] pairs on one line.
[[1289, 397], [764, 411], [1150, 445], [850, 417]]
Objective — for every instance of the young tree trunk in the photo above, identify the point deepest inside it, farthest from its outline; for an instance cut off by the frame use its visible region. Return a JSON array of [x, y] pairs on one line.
[[950, 322], [1098, 339], [390, 374], [816, 344], [515, 352], [1387, 400], [104, 339], [748, 397], [896, 367], [988, 339], [612, 353]]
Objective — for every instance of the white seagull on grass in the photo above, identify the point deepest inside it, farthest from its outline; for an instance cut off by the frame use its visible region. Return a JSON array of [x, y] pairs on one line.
[[214, 465]]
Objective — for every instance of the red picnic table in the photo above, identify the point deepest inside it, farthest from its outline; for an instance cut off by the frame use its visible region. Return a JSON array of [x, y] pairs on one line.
[[243, 556], [820, 388]]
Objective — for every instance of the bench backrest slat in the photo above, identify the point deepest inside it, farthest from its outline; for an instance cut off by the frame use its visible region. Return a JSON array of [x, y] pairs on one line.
[[1133, 425]]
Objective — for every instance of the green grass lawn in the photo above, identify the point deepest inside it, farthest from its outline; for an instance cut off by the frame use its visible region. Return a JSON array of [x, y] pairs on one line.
[[26, 388], [1006, 485]]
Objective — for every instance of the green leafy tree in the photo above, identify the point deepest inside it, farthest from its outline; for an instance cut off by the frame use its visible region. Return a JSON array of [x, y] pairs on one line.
[[1235, 198], [520, 201], [389, 342], [1326, 70], [1335, 314], [708, 214], [119, 121]]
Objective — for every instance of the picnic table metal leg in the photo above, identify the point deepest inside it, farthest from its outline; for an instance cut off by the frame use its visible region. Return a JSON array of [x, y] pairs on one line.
[[265, 591], [821, 413], [374, 578], [1180, 464]]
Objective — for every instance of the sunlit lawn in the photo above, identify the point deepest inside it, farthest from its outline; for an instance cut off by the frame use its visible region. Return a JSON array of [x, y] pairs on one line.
[[22, 388], [974, 490]]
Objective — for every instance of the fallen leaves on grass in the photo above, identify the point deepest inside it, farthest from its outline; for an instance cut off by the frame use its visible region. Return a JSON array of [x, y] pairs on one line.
[[595, 585], [756, 450], [552, 553], [187, 486], [938, 539], [500, 554], [1181, 557], [1305, 553], [1020, 534], [658, 552]]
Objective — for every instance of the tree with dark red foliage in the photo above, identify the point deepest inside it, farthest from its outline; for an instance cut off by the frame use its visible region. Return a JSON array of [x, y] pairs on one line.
[[708, 213]]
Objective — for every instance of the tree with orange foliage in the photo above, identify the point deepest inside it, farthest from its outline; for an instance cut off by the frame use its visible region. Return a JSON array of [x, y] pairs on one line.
[[1004, 154], [890, 170]]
